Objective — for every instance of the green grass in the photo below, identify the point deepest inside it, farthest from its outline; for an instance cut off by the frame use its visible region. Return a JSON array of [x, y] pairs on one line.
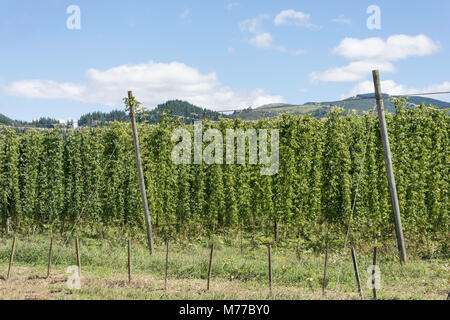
[[236, 274]]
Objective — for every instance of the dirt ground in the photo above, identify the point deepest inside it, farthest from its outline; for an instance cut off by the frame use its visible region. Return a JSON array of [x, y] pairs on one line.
[[26, 284]]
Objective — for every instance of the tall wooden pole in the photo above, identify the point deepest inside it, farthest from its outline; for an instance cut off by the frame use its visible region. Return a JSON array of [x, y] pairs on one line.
[[324, 284], [355, 267], [129, 261], [210, 265], [167, 262], [269, 251], [77, 250], [148, 222], [11, 257], [374, 263], [50, 253], [389, 170]]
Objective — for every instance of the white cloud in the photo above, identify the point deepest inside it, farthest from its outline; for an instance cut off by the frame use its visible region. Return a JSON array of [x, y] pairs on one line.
[[396, 47], [185, 14], [232, 5], [253, 25], [374, 53], [260, 98], [387, 86], [231, 50], [298, 52], [152, 83], [260, 38], [392, 88], [294, 18], [342, 20], [45, 89], [444, 86], [355, 71]]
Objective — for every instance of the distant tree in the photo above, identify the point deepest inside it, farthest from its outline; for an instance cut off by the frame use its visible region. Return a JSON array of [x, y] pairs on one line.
[[44, 123], [98, 119], [184, 111], [7, 121]]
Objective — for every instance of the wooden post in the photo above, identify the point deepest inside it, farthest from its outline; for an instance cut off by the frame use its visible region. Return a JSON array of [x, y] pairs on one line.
[[210, 264], [129, 261], [167, 262], [269, 249], [50, 253], [374, 290], [11, 257], [324, 284], [389, 170], [355, 266], [297, 252], [77, 249], [148, 221]]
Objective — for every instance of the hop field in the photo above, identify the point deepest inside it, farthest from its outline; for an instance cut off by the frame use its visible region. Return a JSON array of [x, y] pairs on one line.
[[84, 183]]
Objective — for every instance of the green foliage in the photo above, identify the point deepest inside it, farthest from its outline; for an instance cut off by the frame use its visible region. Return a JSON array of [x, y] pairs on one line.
[[86, 181]]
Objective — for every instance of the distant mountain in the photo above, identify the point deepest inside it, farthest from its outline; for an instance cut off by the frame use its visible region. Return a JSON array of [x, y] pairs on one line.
[[315, 110], [98, 118], [185, 111], [363, 102], [41, 123], [357, 104], [273, 105]]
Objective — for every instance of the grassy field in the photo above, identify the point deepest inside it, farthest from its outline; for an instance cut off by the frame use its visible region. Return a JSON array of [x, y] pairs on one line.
[[236, 273]]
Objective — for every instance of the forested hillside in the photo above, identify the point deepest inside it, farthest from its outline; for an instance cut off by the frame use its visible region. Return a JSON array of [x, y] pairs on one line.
[[41, 123], [7, 121], [98, 118], [186, 112]]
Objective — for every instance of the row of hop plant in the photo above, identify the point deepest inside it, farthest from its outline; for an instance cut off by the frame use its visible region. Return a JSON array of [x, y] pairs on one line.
[[85, 181]]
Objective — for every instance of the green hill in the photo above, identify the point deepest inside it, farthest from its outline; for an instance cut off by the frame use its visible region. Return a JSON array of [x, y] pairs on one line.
[[41, 123], [185, 111], [365, 102], [98, 118], [357, 104], [7, 121], [315, 110]]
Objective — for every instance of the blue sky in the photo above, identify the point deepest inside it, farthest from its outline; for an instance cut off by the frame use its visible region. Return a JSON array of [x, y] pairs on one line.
[[216, 54]]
